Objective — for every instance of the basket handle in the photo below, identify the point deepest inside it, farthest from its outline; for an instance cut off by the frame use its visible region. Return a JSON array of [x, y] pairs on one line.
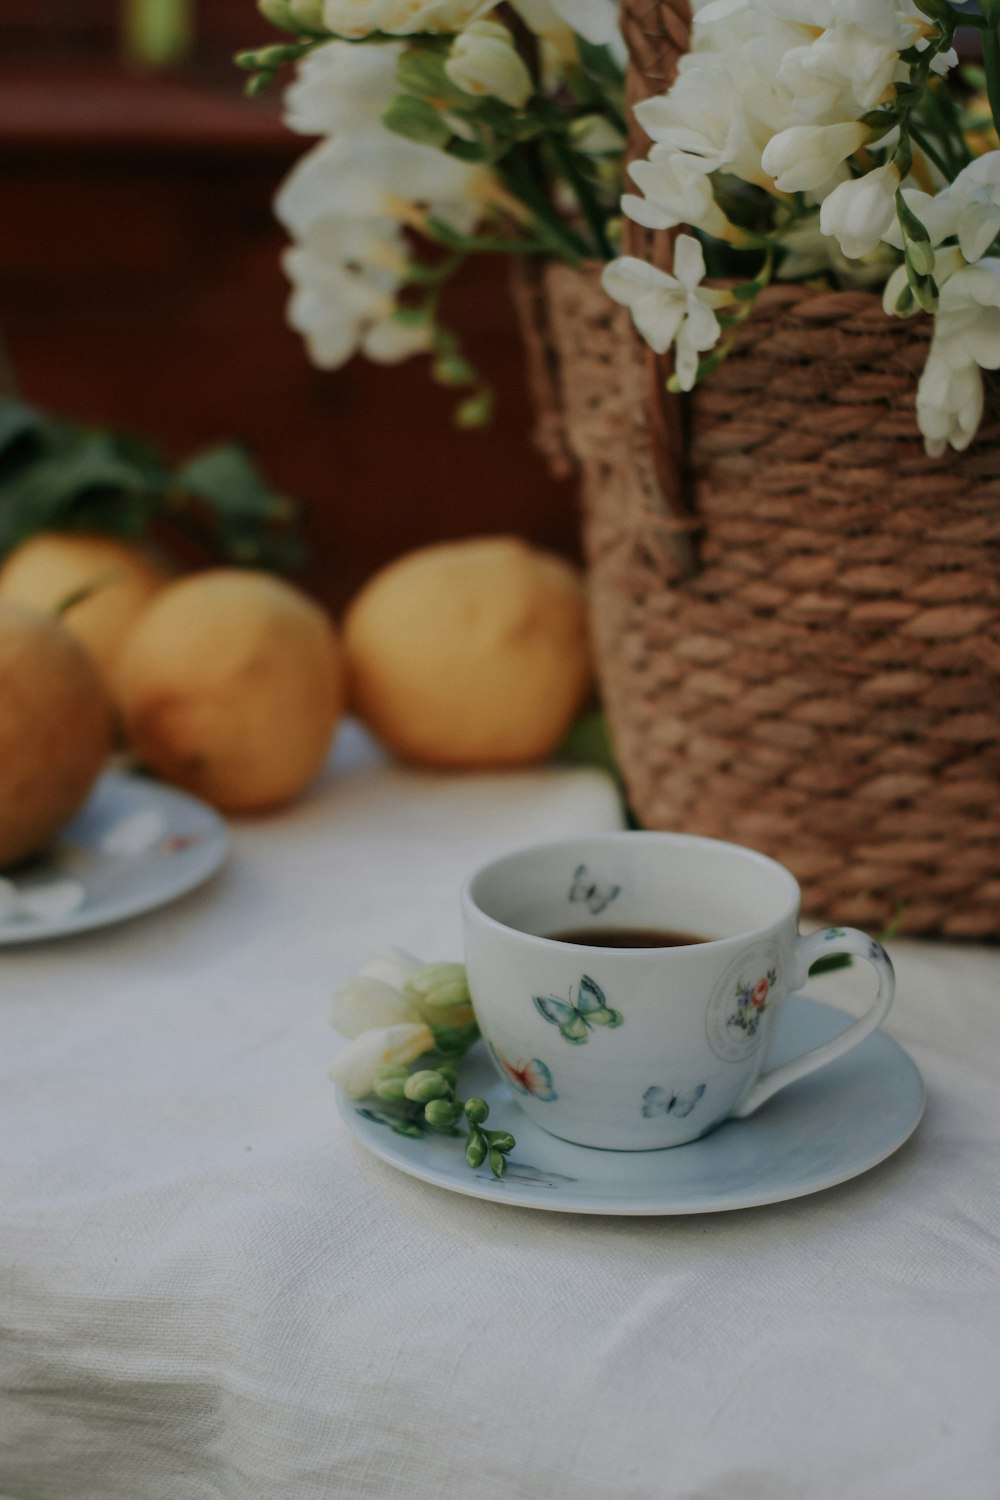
[[657, 36]]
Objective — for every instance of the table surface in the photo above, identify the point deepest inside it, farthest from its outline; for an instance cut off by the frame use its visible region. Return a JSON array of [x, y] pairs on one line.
[[209, 1291]]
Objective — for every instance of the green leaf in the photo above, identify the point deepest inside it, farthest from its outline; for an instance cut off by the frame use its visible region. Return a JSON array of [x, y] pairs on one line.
[[56, 475], [21, 432], [466, 150], [835, 961], [229, 479], [80, 484], [417, 120], [599, 63], [588, 742]]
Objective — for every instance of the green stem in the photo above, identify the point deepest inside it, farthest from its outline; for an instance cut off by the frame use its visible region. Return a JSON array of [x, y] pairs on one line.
[[930, 151], [484, 244], [551, 231], [940, 104], [589, 205], [991, 59]]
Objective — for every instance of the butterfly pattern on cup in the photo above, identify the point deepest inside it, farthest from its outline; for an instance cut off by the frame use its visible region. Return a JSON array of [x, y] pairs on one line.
[[527, 1076], [595, 893], [752, 1001], [657, 1101], [576, 1020]]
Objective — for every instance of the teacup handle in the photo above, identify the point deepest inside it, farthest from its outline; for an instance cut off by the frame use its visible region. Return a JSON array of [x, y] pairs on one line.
[[808, 949]]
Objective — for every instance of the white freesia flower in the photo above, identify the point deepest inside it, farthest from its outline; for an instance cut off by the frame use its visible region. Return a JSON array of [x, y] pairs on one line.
[[850, 66], [355, 1067], [484, 60], [596, 135], [949, 404], [674, 192], [342, 87], [359, 18], [968, 208], [726, 104], [340, 308], [670, 309], [858, 214], [804, 158], [380, 175], [967, 322], [395, 966], [365, 1004], [595, 20], [966, 339], [554, 25], [809, 252], [375, 996], [349, 200]]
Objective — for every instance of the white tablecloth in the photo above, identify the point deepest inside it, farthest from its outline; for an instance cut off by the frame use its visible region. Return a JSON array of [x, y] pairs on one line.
[[209, 1292]]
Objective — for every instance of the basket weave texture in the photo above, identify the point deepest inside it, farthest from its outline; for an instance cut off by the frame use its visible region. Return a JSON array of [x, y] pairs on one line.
[[796, 612]]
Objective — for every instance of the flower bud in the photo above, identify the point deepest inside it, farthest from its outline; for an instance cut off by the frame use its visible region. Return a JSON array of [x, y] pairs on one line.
[[501, 1140], [441, 985], [355, 1066], [476, 1148], [595, 135], [498, 1163], [308, 14], [441, 1114], [278, 13], [484, 60], [392, 1070], [476, 1110], [920, 255], [390, 1089], [440, 993], [425, 1085]]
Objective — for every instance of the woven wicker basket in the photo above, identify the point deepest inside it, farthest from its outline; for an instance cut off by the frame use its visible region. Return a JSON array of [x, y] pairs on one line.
[[796, 612]]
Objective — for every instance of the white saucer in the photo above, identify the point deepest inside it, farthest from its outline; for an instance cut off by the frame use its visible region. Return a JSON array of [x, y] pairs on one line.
[[829, 1127], [134, 846]]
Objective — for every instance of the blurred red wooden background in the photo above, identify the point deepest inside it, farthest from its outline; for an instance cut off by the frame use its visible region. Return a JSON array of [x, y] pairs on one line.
[[140, 287]]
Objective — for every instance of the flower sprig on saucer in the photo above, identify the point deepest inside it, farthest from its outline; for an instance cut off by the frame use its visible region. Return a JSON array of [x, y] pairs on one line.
[[399, 1013]]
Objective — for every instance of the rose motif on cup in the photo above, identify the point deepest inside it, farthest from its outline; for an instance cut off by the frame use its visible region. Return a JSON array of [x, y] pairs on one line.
[[743, 998], [751, 1003]]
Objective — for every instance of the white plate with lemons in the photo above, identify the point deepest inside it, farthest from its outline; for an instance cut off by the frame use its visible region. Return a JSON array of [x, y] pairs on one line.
[[134, 846]]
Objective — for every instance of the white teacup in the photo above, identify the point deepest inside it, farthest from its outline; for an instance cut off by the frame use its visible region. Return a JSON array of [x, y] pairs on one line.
[[637, 1048]]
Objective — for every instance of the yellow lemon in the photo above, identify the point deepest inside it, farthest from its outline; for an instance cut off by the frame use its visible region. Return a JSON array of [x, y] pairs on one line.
[[51, 567], [55, 729], [231, 685], [470, 653]]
